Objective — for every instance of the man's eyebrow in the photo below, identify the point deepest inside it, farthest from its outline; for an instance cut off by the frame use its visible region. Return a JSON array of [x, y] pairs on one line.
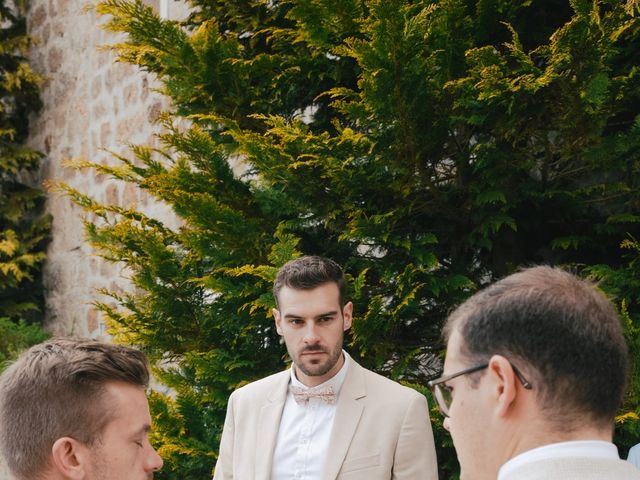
[[323, 314], [146, 428]]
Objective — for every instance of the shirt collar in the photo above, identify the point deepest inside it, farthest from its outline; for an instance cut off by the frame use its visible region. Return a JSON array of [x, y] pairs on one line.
[[580, 448], [335, 382]]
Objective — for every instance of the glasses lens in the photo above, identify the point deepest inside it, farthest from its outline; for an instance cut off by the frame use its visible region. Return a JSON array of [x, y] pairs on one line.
[[443, 397]]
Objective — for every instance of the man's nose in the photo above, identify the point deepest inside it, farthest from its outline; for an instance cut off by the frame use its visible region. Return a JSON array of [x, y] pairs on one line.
[[311, 334], [445, 424], [154, 462]]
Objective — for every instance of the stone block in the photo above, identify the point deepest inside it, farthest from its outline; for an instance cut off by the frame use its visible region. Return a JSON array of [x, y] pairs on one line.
[[53, 8], [154, 111], [38, 17], [59, 29], [96, 88], [144, 90], [55, 59], [130, 96], [99, 111], [44, 34], [92, 321], [131, 195], [105, 134], [112, 195]]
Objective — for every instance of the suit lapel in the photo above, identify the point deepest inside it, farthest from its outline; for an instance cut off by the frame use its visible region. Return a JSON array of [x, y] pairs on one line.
[[348, 412], [268, 425]]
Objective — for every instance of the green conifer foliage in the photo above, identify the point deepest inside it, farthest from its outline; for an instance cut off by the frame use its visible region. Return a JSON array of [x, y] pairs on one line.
[[429, 147], [23, 227], [622, 284]]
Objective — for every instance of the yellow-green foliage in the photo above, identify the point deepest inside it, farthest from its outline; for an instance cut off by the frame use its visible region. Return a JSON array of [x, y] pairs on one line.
[[23, 227], [428, 146]]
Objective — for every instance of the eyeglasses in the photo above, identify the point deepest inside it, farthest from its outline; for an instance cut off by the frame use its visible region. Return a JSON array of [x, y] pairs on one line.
[[442, 392]]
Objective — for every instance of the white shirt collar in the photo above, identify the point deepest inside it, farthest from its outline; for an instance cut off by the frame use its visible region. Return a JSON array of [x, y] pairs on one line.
[[580, 448], [304, 434], [335, 382]]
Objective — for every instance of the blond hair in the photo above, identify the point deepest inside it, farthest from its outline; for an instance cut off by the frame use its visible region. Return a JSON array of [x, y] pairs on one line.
[[56, 389]]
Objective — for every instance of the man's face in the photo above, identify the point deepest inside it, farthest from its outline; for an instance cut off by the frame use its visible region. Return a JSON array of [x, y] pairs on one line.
[[469, 420], [124, 451], [313, 325]]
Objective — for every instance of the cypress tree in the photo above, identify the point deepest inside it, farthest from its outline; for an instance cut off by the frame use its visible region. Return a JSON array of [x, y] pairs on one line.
[[429, 147]]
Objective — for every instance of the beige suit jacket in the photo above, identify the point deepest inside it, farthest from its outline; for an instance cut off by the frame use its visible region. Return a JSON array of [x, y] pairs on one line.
[[381, 431], [578, 468]]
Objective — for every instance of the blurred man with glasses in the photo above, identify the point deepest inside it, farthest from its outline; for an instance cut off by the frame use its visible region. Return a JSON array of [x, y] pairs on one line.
[[634, 455], [535, 371]]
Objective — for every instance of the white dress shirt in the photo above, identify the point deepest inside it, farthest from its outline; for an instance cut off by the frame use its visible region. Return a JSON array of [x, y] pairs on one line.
[[304, 433], [634, 455], [581, 448]]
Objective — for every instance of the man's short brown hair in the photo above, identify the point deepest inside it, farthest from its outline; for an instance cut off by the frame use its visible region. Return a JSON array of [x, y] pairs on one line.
[[561, 331], [309, 272], [56, 389]]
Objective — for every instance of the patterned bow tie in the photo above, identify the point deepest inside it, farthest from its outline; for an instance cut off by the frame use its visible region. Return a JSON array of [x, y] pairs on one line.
[[302, 395]]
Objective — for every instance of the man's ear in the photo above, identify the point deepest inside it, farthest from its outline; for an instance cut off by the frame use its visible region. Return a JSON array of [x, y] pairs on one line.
[[347, 316], [276, 315], [503, 383], [70, 458]]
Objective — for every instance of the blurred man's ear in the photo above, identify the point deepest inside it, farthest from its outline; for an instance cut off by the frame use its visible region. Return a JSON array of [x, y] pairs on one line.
[[276, 316], [70, 458], [347, 315], [504, 383]]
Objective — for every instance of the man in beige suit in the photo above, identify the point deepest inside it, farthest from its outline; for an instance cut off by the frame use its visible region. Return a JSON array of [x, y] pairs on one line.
[[535, 371], [326, 417]]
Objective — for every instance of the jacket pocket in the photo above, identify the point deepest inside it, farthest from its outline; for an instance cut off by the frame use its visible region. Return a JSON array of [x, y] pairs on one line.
[[360, 463]]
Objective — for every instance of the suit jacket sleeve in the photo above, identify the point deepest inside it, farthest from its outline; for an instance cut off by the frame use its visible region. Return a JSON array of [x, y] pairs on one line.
[[224, 465], [415, 456]]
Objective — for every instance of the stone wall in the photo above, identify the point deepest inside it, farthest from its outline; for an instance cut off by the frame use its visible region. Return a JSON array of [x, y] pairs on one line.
[[91, 104]]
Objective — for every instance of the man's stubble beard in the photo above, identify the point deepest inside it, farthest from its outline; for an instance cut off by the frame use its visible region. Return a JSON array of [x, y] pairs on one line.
[[321, 369]]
